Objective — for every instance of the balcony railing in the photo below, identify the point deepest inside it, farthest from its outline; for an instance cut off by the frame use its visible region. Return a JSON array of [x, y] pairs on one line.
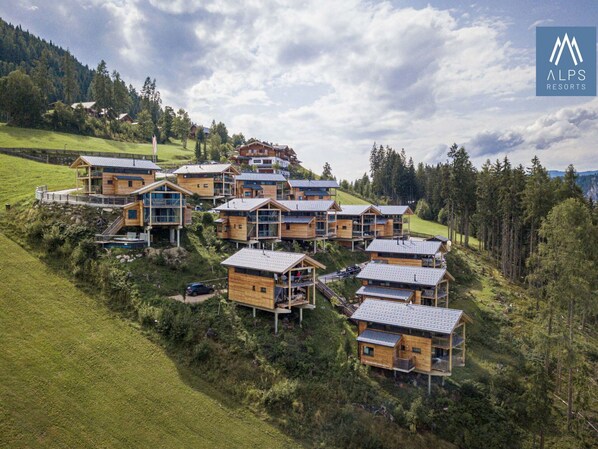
[[440, 364], [267, 234], [162, 202], [163, 219], [405, 365]]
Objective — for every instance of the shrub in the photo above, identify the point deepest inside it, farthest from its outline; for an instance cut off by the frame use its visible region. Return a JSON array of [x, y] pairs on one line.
[[422, 210], [281, 395]]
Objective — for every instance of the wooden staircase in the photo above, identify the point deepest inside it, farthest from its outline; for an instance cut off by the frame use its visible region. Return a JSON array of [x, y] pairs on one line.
[[335, 299], [114, 227]]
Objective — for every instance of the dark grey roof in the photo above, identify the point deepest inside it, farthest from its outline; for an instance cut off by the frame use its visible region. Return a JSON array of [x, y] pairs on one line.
[[97, 161], [260, 177], [308, 205], [439, 238], [310, 183], [291, 219], [271, 261], [383, 292], [247, 204], [394, 210], [202, 168], [410, 316], [379, 338], [402, 274], [130, 178], [418, 247]]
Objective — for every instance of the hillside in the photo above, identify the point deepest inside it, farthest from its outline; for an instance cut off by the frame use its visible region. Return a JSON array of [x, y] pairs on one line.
[[13, 137], [74, 375]]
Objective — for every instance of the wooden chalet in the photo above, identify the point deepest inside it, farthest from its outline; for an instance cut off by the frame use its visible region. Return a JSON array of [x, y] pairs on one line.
[[393, 222], [273, 281], [126, 118], [113, 176], [208, 181], [309, 220], [306, 189], [250, 220], [356, 223], [411, 338], [260, 185], [88, 106], [413, 253], [429, 286], [266, 158], [159, 205], [446, 243]]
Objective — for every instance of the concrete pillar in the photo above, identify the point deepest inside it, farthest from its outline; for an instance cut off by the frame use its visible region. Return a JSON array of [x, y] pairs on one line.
[[315, 246], [300, 316], [149, 237], [254, 312], [352, 245], [171, 231], [275, 323], [429, 384], [178, 237]]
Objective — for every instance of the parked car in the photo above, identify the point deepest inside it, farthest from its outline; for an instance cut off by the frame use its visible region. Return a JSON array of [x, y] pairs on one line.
[[199, 288], [198, 208], [353, 270]]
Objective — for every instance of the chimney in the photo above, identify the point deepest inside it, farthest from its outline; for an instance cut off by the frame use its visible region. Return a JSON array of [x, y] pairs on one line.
[[414, 277]]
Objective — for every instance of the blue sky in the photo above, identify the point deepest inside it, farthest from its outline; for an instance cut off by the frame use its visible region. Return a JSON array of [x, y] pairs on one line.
[[330, 78]]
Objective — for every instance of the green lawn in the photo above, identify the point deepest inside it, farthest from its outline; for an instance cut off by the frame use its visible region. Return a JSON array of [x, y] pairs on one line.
[[12, 137], [75, 376], [347, 198], [20, 177]]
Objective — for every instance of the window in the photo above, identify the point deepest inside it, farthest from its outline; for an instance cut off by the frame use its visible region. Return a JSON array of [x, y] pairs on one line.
[[110, 182], [240, 226], [288, 226], [416, 350], [253, 287], [205, 186], [130, 183], [368, 350], [344, 227], [198, 185], [132, 214], [263, 289], [402, 347]]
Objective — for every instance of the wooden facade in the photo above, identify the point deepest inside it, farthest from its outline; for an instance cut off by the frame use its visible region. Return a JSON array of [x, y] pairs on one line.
[[309, 220], [250, 220], [159, 205], [394, 221], [257, 185], [429, 254], [112, 176], [305, 189], [392, 343], [272, 281], [356, 224], [208, 181]]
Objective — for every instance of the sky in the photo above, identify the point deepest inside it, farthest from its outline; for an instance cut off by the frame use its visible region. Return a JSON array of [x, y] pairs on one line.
[[330, 78]]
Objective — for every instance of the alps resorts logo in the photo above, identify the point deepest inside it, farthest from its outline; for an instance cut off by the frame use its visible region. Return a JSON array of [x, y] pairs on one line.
[[566, 61]]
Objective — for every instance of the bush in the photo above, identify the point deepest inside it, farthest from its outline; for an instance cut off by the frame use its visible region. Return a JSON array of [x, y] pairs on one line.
[[281, 395], [442, 216], [423, 211]]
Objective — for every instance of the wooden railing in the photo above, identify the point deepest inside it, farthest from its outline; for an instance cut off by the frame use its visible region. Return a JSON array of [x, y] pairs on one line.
[[86, 200], [335, 299]]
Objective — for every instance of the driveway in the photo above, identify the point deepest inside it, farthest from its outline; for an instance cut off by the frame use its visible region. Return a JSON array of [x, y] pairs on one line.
[[196, 299]]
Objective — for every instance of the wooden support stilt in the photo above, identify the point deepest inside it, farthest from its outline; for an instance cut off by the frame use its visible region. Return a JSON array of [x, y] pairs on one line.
[[300, 316], [254, 312], [429, 384], [275, 323]]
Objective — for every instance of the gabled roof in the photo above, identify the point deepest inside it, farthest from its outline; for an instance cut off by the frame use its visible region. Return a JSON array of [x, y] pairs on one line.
[[358, 209], [311, 206], [379, 338], [164, 182], [250, 204], [410, 316], [86, 104], [271, 261], [123, 115], [204, 168], [417, 247], [428, 277], [260, 177], [117, 162], [438, 238], [382, 292], [310, 183], [395, 210]]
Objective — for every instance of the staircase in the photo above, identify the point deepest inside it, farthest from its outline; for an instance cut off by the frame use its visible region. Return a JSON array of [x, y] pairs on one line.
[[114, 227], [335, 299]]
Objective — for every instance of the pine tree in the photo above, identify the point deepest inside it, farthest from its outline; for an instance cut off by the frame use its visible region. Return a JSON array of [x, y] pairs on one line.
[[327, 171], [41, 76], [101, 87], [70, 86]]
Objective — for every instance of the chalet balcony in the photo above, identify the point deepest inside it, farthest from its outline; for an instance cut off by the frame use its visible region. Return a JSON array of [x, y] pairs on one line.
[[429, 293], [268, 219], [440, 364], [163, 202], [166, 219], [93, 173], [405, 365]]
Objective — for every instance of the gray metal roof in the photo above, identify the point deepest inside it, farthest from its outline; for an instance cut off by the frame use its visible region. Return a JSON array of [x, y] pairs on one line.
[[308, 205], [422, 248], [244, 204], [382, 292], [394, 210], [98, 161], [85, 104], [310, 183], [356, 209], [291, 219], [379, 338], [402, 274], [439, 238], [203, 168], [271, 261], [260, 177], [410, 316]]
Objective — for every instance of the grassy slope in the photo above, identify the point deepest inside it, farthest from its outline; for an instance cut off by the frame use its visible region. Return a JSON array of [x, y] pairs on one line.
[[12, 137], [21, 176], [74, 376]]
